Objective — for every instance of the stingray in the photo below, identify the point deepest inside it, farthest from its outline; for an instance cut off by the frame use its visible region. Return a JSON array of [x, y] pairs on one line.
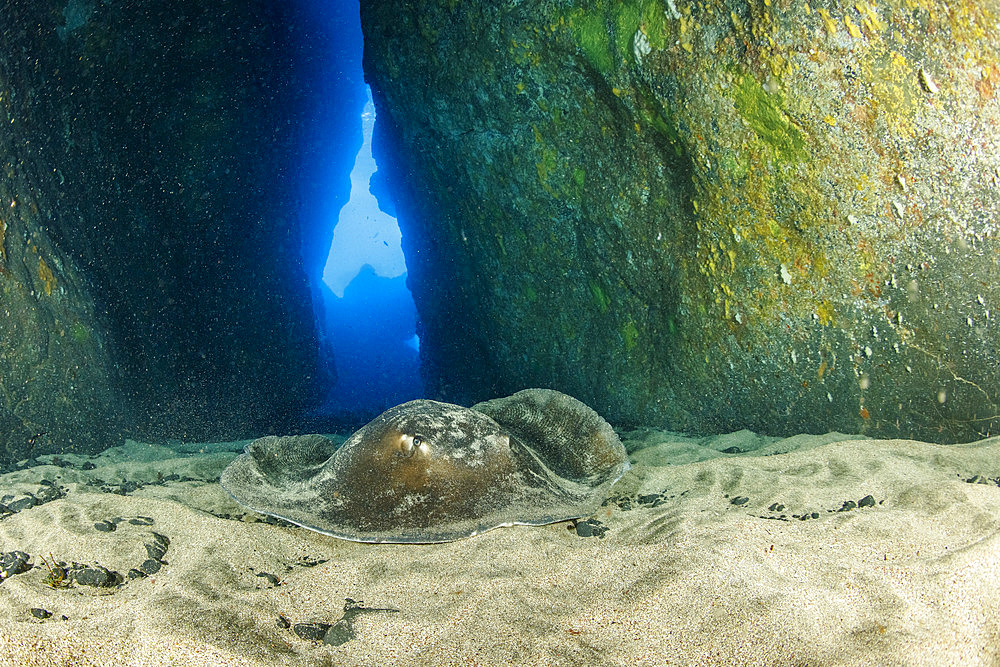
[[426, 471]]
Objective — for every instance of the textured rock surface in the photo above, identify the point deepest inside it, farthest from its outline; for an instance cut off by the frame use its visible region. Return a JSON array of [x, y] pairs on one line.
[[150, 271], [774, 215]]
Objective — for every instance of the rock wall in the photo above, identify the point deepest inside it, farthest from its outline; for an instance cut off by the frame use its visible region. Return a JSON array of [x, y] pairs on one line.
[[150, 268], [771, 214]]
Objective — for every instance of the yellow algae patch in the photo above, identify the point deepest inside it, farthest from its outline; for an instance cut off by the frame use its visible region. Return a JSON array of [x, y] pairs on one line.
[[871, 21], [46, 276], [852, 27], [828, 22]]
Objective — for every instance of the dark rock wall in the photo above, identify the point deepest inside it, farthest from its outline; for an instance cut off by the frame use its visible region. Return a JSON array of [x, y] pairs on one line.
[[775, 215], [152, 275]]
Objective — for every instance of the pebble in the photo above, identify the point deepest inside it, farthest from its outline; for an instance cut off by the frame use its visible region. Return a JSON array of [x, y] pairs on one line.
[[339, 633], [105, 526], [13, 562], [21, 504], [158, 549], [739, 500], [867, 501], [271, 579], [313, 631], [93, 575], [38, 612], [590, 528], [150, 566], [141, 521]]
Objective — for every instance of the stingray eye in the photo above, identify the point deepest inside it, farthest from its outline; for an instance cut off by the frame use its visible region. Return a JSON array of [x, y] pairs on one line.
[[410, 445]]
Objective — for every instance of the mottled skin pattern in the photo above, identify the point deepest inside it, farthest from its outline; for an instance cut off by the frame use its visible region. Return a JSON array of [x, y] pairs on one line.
[[426, 471]]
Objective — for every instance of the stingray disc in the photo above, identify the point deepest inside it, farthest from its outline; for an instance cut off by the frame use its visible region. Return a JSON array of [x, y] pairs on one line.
[[426, 471]]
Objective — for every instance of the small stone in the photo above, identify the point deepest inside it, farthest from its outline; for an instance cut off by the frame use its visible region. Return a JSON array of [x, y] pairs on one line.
[[38, 612], [13, 562], [283, 622], [87, 465], [136, 574], [340, 633], [732, 450], [48, 493], [311, 631], [157, 549], [739, 500], [867, 501], [776, 507], [105, 526], [94, 575], [27, 502], [142, 521], [271, 579], [814, 515], [848, 506], [150, 566]]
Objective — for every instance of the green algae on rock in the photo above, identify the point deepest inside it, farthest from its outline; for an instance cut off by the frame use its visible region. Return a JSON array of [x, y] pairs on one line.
[[772, 215]]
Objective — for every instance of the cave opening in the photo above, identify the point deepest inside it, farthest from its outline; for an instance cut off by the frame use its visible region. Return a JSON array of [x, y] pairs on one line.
[[365, 313]]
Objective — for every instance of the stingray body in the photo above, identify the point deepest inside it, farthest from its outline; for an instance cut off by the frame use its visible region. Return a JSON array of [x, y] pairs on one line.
[[426, 471]]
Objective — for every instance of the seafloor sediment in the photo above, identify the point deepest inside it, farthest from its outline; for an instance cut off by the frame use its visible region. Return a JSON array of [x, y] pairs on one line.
[[733, 549]]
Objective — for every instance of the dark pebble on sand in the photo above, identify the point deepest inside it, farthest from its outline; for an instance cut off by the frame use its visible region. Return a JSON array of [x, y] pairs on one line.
[[739, 500], [776, 507], [105, 526], [848, 506], [591, 528], [38, 612], [22, 504], [135, 574], [271, 579], [48, 494], [340, 633], [13, 562], [283, 622], [150, 566], [87, 465], [158, 549], [867, 501], [94, 575], [141, 521], [732, 450], [313, 631], [4, 510]]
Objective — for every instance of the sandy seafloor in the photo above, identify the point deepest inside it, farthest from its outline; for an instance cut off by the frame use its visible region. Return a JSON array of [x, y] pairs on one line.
[[705, 560]]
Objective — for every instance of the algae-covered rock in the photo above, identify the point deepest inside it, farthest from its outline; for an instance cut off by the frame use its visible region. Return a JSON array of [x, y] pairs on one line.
[[771, 215]]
